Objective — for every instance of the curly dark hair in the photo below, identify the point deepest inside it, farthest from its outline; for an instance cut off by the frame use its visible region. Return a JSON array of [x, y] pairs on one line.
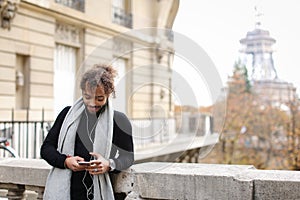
[[99, 75]]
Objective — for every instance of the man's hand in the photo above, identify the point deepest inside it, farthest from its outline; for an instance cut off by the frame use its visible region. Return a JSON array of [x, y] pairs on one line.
[[101, 165], [72, 163]]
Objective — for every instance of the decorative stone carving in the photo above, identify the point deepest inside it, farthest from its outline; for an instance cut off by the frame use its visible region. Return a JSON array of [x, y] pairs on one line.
[[8, 9], [67, 33]]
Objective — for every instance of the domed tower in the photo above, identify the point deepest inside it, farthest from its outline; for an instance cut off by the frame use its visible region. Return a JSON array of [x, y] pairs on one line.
[[258, 43], [265, 82]]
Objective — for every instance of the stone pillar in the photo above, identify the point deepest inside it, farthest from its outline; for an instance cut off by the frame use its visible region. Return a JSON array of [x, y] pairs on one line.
[[40, 193], [15, 192], [39, 190]]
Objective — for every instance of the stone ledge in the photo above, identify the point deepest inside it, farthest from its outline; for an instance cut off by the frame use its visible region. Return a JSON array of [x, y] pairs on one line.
[[191, 181], [158, 180], [24, 171], [209, 181], [275, 184]]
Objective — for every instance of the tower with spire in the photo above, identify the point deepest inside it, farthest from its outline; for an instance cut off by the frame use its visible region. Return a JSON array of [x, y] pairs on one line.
[[258, 43], [265, 81]]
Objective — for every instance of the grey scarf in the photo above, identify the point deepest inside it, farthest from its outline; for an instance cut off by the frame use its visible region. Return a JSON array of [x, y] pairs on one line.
[[59, 180]]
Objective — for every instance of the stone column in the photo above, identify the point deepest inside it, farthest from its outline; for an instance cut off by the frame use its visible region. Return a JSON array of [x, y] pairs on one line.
[[15, 191]]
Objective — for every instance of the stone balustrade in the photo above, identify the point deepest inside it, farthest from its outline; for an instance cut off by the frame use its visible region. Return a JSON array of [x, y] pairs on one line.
[[158, 180]]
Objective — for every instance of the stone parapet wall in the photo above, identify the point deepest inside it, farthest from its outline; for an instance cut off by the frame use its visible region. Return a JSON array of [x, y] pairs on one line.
[[210, 181], [157, 180]]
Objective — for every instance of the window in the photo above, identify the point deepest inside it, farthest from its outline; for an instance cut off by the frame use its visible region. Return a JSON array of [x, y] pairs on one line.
[[22, 82], [64, 76], [121, 13]]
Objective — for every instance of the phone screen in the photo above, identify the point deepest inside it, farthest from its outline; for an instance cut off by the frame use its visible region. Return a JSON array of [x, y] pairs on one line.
[[86, 163]]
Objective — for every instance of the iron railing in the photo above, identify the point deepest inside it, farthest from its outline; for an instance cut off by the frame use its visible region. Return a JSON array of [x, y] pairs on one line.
[[25, 136], [75, 4], [121, 17]]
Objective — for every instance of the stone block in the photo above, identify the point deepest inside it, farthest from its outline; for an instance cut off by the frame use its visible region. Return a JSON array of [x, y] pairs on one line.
[[191, 181], [275, 184], [24, 171]]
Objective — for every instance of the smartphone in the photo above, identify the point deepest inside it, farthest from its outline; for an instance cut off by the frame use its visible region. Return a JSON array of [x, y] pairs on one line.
[[89, 163], [85, 163]]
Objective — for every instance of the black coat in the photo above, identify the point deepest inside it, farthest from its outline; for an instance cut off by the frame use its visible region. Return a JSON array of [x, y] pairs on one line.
[[122, 142]]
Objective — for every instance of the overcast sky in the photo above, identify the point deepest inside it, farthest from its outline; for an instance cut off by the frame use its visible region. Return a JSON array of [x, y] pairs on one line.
[[217, 26]]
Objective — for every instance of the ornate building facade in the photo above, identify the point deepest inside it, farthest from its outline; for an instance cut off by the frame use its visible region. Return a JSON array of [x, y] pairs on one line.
[[46, 44]]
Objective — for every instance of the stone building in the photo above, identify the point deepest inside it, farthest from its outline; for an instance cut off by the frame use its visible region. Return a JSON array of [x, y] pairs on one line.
[[46, 44]]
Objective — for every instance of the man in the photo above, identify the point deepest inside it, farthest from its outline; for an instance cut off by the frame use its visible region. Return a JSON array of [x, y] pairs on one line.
[[88, 131]]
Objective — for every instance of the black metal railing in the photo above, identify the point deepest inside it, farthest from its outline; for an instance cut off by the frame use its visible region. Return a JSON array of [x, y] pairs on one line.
[[25, 136], [121, 17], [75, 4], [170, 35]]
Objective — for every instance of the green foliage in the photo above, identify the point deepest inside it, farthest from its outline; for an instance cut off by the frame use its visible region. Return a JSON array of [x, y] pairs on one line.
[[240, 72]]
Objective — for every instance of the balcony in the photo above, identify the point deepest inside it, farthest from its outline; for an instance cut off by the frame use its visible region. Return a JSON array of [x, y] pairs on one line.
[[75, 4], [121, 17], [155, 180]]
